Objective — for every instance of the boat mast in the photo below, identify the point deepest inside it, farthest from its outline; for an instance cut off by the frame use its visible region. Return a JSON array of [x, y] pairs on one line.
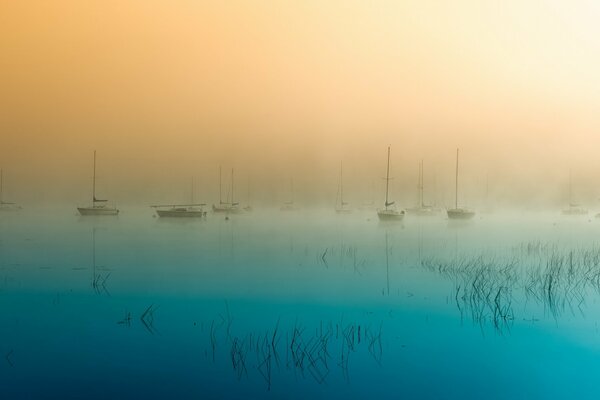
[[435, 194], [94, 181], [341, 186], [220, 187], [456, 183], [192, 190], [387, 179], [248, 197], [421, 183], [232, 203]]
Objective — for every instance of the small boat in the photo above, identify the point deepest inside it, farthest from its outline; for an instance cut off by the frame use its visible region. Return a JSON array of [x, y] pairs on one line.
[[230, 207], [389, 212], [574, 208], [180, 210], [458, 213], [192, 210], [6, 205], [422, 209], [342, 207], [98, 207]]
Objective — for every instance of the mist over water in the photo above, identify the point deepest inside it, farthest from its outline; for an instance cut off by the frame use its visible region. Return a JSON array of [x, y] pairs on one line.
[[339, 306], [289, 281]]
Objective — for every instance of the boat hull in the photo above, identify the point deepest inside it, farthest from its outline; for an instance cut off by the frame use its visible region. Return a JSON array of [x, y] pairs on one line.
[[226, 209], [97, 211], [390, 215], [180, 214], [460, 213]]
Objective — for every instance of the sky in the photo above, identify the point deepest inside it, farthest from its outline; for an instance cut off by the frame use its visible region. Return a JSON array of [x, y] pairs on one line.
[[168, 91]]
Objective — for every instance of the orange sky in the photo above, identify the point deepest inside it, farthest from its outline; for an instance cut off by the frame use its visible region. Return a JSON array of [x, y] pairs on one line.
[[169, 89]]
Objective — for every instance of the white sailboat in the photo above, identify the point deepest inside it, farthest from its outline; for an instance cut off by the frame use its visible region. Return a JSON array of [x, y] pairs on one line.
[[226, 206], [574, 208], [192, 210], [181, 210], [98, 207], [422, 209], [342, 207], [389, 212], [458, 213], [6, 205]]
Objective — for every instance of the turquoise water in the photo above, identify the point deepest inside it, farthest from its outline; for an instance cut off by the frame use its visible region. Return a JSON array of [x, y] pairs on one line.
[[297, 305]]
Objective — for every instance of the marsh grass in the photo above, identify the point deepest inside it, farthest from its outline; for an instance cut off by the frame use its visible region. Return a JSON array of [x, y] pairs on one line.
[[487, 286], [308, 353]]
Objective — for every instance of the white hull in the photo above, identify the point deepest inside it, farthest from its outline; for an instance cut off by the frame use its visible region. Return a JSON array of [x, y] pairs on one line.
[[181, 213], [343, 210], [226, 209], [460, 213], [390, 215], [90, 211]]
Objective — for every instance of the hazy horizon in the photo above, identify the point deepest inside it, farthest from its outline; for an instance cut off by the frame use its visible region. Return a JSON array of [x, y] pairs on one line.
[[278, 91]]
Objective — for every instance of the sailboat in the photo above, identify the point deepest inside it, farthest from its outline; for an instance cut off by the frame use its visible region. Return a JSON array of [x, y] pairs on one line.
[[458, 213], [98, 207], [192, 210], [289, 205], [574, 209], [5, 205], [389, 212], [342, 207], [422, 209], [226, 206]]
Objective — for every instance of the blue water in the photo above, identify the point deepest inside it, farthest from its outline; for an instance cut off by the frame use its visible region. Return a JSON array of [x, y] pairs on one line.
[[298, 305]]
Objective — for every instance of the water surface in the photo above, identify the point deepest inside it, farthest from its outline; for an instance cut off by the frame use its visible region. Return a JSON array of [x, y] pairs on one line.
[[300, 304]]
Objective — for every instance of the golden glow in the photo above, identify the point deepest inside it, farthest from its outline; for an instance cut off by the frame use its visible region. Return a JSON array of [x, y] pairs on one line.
[[169, 89]]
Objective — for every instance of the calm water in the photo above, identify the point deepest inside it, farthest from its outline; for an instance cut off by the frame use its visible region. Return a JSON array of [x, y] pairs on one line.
[[298, 305]]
